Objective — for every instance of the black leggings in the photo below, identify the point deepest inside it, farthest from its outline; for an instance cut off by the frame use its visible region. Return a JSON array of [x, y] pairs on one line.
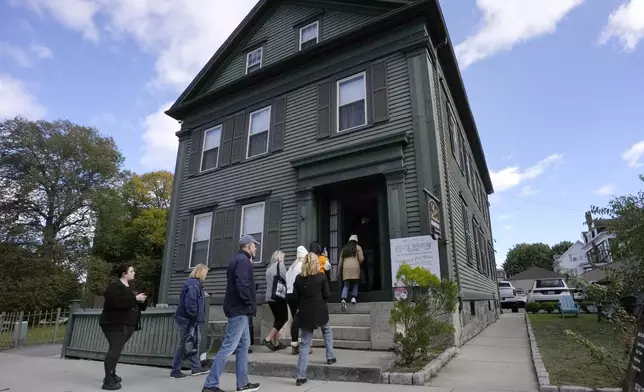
[[292, 305], [280, 313], [116, 340]]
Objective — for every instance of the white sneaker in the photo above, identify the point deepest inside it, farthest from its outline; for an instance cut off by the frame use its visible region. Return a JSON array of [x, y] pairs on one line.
[[353, 300], [344, 305]]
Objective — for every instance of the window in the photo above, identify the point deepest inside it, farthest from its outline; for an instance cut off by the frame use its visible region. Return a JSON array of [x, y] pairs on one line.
[[467, 170], [549, 283], [200, 239], [466, 224], [309, 35], [504, 285], [461, 150], [352, 102], [472, 308], [254, 60], [453, 133], [252, 222], [258, 127], [210, 153]]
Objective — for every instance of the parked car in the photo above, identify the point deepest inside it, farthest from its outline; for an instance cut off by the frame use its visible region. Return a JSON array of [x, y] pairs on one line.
[[521, 298], [578, 294], [547, 290], [507, 293]]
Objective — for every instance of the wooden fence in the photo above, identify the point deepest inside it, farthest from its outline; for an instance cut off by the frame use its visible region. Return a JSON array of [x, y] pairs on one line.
[[154, 344], [19, 328]]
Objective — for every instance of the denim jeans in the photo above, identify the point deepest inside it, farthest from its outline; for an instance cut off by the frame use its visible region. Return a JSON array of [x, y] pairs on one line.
[[307, 339], [236, 340], [354, 288], [185, 329]]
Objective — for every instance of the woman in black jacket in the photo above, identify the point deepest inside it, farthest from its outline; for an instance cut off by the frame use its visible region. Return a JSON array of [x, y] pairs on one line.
[[312, 291], [120, 318]]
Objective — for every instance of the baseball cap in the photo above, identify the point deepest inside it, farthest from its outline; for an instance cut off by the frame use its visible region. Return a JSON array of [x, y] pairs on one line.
[[248, 239]]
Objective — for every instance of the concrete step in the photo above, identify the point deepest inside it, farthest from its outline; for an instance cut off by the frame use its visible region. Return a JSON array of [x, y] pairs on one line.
[[359, 308], [350, 319], [345, 344], [353, 366], [346, 333]]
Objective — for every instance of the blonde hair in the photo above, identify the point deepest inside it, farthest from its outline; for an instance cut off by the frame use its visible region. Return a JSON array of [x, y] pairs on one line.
[[310, 265], [277, 257], [199, 272]]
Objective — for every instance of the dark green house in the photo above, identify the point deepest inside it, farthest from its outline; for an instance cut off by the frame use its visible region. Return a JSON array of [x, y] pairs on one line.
[[315, 114]]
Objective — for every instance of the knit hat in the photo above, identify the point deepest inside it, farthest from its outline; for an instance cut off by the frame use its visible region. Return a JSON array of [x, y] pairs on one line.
[[353, 238], [301, 252]]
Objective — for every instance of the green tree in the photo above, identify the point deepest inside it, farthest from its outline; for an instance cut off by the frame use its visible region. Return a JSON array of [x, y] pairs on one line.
[[524, 256], [560, 248]]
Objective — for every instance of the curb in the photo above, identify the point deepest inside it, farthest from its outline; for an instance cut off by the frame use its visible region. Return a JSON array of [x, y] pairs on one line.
[[542, 373], [423, 375]]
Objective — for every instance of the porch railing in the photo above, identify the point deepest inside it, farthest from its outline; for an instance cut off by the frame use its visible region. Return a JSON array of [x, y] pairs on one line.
[[19, 329]]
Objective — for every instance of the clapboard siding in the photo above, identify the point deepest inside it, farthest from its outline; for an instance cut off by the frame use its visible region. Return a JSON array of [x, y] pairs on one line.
[[274, 172], [471, 280], [280, 35]]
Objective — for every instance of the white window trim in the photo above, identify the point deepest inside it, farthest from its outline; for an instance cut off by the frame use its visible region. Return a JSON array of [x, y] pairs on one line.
[[317, 32], [337, 100], [241, 224], [203, 147], [268, 138], [261, 58], [192, 237]]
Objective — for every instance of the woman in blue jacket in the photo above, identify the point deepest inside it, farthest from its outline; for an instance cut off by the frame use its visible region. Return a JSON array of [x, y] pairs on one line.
[[191, 317]]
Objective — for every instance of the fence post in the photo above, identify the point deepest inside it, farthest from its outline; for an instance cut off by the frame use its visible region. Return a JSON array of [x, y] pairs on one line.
[[74, 306], [17, 330], [56, 321]]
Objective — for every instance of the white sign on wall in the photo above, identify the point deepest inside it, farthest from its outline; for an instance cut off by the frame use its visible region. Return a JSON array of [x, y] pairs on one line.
[[421, 251]]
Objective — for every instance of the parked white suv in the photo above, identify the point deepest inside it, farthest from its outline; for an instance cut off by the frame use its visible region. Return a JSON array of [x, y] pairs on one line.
[[547, 290], [508, 296]]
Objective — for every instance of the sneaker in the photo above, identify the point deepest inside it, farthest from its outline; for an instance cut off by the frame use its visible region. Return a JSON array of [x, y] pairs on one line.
[[300, 381], [200, 371], [270, 345], [295, 350], [250, 387], [343, 304], [216, 389], [117, 378], [353, 300], [178, 375], [250, 350], [331, 361], [281, 346], [110, 384]]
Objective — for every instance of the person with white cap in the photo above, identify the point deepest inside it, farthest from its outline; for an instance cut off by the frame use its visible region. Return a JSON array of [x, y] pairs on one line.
[[240, 303], [350, 259], [293, 271]]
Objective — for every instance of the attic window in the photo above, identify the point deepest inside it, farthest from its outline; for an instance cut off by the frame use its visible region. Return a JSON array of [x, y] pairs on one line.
[[254, 59], [309, 35]]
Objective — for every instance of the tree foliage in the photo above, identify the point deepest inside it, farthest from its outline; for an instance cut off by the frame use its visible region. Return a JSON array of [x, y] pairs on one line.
[[524, 256], [560, 248]]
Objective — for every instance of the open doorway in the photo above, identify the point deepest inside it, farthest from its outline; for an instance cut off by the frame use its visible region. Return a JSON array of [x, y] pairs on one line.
[[356, 207]]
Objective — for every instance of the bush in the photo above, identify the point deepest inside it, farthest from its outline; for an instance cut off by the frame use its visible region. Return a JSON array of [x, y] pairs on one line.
[[547, 306], [419, 314], [532, 307], [585, 305]]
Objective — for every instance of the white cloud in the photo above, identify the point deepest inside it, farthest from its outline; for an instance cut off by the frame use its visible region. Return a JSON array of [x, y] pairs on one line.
[[507, 23], [506, 216], [494, 198], [159, 139], [527, 191], [74, 14], [634, 154], [512, 176], [605, 190], [626, 23], [41, 51], [508, 227], [15, 53], [16, 100]]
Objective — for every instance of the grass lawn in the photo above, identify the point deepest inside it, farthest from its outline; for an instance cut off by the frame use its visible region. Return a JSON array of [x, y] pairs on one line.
[[567, 362], [37, 335]]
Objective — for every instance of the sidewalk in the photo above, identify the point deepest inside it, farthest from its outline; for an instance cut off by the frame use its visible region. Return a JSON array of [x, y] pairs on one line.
[[498, 359]]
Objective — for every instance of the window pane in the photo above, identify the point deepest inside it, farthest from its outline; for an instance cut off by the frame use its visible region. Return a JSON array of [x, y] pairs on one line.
[[352, 90], [352, 115], [210, 159], [213, 136], [202, 228], [199, 253], [308, 44], [260, 121], [253, 219], [257, 144], [309, 33], [255, 57]]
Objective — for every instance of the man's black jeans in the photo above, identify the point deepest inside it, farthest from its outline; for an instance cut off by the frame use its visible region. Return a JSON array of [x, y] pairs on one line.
[[116, 340], [369, 268]]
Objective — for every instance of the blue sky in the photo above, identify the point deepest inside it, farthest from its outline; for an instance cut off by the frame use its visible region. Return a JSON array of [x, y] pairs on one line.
[[556, 87]]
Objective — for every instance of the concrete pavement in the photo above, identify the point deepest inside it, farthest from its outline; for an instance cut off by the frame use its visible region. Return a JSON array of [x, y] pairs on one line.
[[498, 359]]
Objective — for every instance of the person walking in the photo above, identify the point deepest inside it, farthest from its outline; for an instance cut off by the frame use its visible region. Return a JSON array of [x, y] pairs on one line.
[[350, 259], [121, 316], [294, 270], [190, 317], [276, 299], [312, 292], [240, 302]]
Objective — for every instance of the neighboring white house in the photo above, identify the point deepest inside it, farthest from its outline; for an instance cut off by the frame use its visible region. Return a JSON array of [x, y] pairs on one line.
[[571, 260], [500, 274], [525, 279]]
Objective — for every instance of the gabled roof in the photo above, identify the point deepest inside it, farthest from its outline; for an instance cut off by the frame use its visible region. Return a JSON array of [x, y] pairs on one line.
[[577, 243], [535, 273]]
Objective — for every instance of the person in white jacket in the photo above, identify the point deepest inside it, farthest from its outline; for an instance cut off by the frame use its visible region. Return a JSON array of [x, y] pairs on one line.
[[294, 270]]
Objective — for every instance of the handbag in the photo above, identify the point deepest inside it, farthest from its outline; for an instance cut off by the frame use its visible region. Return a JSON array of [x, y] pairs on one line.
[[190, 344], [279, 286]]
